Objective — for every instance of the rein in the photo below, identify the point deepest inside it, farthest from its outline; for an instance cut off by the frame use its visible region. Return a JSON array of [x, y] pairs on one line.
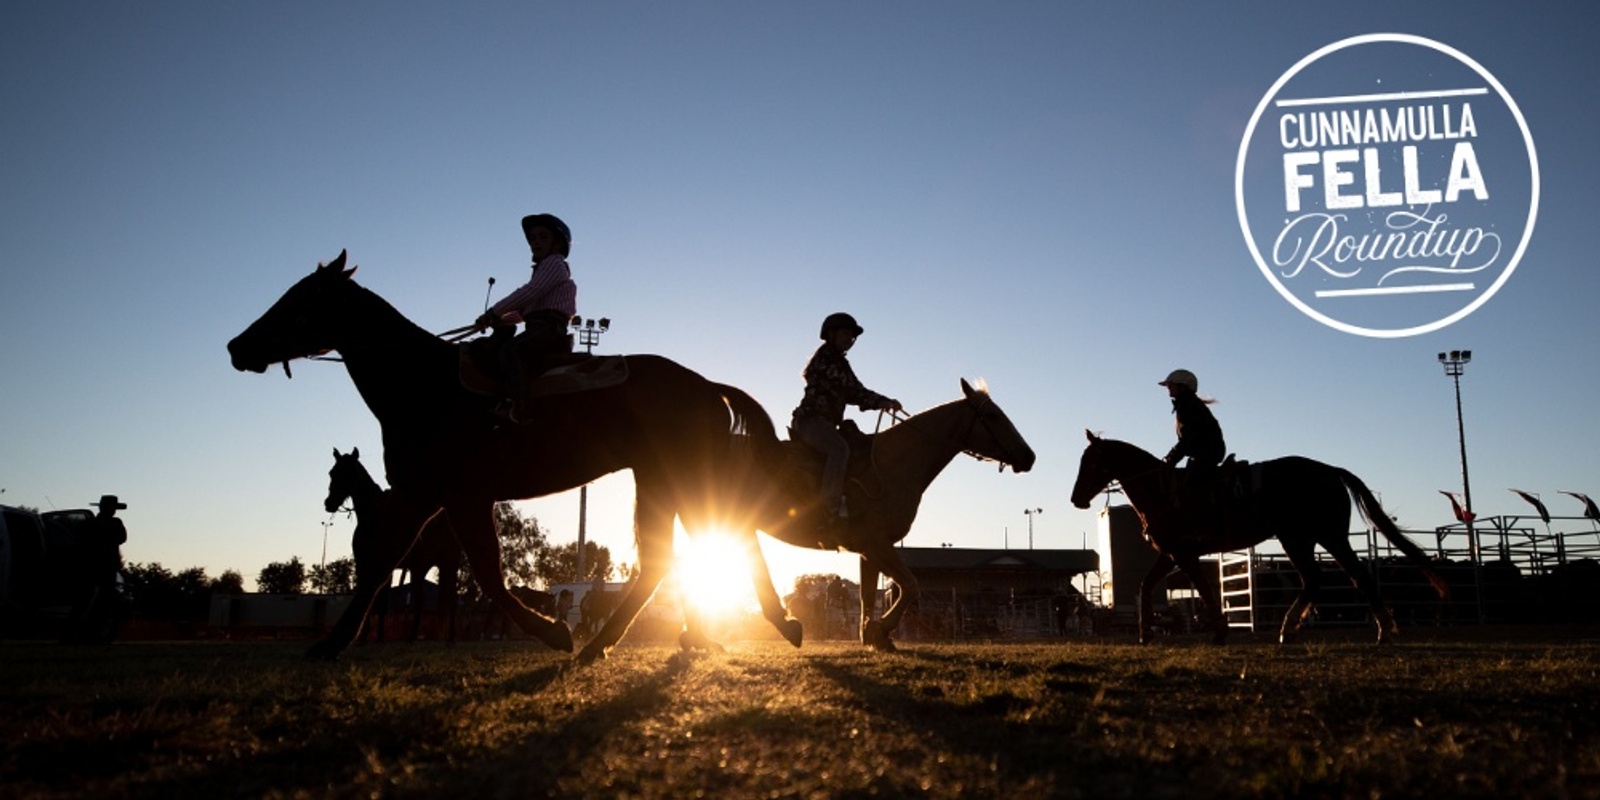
[[901, 418]]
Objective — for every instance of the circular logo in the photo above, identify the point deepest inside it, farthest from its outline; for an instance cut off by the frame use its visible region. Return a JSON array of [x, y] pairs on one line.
[[1387, 185]]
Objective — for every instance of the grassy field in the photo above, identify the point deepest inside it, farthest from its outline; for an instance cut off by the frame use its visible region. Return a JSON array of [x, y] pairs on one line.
[[1460, 712]]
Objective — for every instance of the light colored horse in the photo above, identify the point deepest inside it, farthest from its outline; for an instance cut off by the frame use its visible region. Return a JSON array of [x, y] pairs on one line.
[[888, 475]]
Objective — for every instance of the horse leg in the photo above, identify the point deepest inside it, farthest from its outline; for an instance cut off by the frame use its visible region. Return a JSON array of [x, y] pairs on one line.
[[449, 591], [907, 593], [652, 522], [474, 529], [1147, 593], [693, 636], [771, 604], [1304, 558], [1345, 556], [871, 629], [378, 545], [1207, 584]]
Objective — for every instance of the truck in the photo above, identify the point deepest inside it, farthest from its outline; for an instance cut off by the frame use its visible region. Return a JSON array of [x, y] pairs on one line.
[[59, 579]]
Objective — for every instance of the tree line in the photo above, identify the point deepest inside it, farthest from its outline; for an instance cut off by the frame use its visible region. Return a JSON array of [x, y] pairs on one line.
[[528, 556]]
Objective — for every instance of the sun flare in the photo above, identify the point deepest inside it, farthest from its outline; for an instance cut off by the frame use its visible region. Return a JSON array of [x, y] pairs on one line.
[[713, 574]]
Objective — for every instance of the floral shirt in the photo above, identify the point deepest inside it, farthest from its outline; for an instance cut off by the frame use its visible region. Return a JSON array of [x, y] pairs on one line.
[[831, 385]]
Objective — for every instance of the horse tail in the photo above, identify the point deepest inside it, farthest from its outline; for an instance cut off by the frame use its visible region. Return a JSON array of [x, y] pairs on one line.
[[1372, 511], [750, 421]]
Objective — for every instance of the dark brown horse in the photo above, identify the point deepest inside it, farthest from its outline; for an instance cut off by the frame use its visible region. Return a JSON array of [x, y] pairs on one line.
[[435, 547], [444, 449], [1304, 503], [888, 475]]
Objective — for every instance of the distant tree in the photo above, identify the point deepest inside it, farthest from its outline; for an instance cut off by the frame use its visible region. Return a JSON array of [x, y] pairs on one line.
[[816, 597], [559, 563], [159, 594], [337, 577], [282, 577], [522, 542], [229, 582]]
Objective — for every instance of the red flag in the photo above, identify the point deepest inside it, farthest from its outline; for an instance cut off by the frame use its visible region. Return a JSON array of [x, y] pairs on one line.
[[1544, 513], [1462, 515], [1590, 510]]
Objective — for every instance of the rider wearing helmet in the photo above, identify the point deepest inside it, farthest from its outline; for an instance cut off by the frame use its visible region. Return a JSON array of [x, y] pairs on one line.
[[1199, 435], [544, 305], [831, 385]]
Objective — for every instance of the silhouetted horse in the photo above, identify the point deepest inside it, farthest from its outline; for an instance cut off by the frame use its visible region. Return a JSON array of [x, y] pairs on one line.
[[435, 546], [1303, 503], [888, 474], [594, 609], [445, 449]]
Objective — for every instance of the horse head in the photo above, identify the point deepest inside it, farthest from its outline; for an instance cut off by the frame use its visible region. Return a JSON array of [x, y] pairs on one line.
[[1094, 473], [304, 322], [347, 477], [991, 434]]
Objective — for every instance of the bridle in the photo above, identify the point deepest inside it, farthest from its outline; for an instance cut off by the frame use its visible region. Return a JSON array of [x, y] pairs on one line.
[[978, 418]]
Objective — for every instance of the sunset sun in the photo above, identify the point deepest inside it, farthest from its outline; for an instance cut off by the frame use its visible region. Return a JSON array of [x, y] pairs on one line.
[[713, 574]]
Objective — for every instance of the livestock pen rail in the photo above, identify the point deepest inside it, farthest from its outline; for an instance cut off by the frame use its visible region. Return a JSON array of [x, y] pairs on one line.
[[1504, 569]]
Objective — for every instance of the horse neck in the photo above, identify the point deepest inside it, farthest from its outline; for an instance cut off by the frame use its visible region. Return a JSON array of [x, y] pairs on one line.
[[914, 452], [365, 492], [1139, 472], [390, 358]]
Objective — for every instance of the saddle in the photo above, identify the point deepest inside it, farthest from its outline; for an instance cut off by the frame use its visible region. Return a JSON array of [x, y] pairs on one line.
[[802, 480], [548, 374], [1214, 504]]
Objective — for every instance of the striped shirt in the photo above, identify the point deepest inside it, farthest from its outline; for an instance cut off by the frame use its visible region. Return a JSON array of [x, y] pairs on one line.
[[550, 289]]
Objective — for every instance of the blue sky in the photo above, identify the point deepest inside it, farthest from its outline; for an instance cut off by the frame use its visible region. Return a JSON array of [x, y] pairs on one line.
[[1038, 194]]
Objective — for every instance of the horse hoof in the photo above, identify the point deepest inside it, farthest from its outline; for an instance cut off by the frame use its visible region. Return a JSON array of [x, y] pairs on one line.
[[690, 642], [793, 631], [876, 637], [590, 654]]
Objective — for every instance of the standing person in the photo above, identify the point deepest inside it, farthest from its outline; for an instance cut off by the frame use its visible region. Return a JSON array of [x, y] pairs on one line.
[[1199, 435], [108, 536], [830, 385], [544, 305]]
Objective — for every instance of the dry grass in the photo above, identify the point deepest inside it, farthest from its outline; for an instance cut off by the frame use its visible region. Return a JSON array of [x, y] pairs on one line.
[[1335, 718]]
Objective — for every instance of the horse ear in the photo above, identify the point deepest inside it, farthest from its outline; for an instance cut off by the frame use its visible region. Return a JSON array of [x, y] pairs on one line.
[[335, 454], [355, 452], [335, 268], [966, 388], [1088, 434]]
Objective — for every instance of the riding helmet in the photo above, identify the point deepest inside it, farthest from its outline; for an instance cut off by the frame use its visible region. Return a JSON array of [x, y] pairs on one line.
[[839, 319], [1182, 377], [551, 223]]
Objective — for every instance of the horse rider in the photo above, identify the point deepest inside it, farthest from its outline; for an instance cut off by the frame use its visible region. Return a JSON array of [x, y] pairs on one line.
[[830, 385], [544, 305], [1199, 434]]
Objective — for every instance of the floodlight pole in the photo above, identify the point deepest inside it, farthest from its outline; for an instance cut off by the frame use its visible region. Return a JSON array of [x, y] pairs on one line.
[[1031, 512], [1454, 363], [325, 525], [588, 332]]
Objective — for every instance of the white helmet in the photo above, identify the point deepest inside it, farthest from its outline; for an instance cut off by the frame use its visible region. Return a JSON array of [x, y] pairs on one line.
[[1182, 377]]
